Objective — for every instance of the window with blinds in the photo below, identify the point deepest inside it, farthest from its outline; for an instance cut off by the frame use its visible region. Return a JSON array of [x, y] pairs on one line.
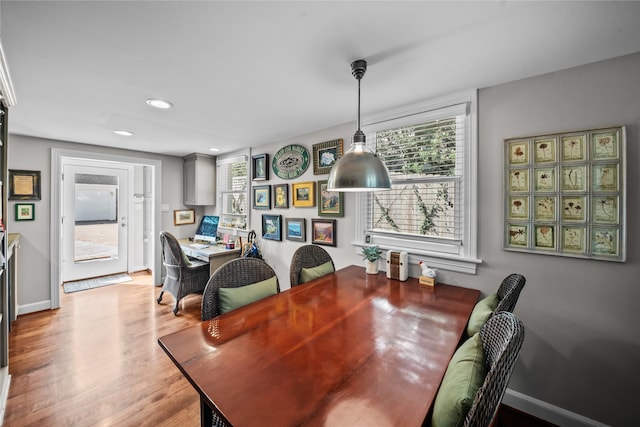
[[232, 187], [430, 153]]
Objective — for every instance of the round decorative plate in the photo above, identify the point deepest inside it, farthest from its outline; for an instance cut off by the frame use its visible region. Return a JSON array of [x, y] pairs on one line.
[[290, 161]]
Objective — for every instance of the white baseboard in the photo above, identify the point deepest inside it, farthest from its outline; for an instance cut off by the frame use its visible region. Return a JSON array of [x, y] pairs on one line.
[[33, 307], [546, 411]]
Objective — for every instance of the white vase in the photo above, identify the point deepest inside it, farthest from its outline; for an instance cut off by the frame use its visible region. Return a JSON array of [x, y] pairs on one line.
[[372, 267]]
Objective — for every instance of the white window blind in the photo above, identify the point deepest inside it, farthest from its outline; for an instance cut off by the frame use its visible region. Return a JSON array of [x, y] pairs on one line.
[[430, 153], [232, 186]]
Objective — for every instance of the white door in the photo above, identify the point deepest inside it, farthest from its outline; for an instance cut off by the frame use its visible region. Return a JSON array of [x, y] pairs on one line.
[[94, 221]]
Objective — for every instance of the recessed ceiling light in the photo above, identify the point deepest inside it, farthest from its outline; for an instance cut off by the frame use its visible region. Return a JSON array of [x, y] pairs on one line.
[[159, 103], [215, 150], [123, 132]]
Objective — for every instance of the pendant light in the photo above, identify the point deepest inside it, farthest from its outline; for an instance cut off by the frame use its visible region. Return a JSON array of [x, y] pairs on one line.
[[359, 169]]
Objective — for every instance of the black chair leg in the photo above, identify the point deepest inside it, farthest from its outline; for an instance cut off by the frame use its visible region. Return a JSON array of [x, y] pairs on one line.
[[160, 297]]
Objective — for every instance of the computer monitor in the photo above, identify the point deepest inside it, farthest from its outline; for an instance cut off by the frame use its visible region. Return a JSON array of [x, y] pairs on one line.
[[208, 228]]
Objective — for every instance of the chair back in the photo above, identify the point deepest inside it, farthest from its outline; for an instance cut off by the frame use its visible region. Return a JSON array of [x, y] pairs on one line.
[[502, 338], [172, 256], [509, 291], [234, 274], [307, 256]]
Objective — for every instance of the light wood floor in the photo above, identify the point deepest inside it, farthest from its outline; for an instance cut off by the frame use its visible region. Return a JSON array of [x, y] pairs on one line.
[[96, 361]]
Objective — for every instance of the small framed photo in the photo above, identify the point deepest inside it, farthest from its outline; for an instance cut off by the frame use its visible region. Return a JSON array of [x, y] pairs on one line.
[[573, 148], [519, 207], [604, 145], [545, 236], [574, 239], [281, 196], [25, 212], [545, 150], [262, 197], [260, 167], [519, 152], [184, 216], [325, 155], [272, 227], [604, 241], [24, 185], [518, 180], [518, 235], [323, 232], [330, 203], [296, 229], [304, 194]]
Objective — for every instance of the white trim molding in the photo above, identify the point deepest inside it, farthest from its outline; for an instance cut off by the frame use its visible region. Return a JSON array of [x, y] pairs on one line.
[[546, 411], [7, 92]]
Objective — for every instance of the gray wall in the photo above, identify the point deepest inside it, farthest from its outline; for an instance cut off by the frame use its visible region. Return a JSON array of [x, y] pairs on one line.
[[582, 346]]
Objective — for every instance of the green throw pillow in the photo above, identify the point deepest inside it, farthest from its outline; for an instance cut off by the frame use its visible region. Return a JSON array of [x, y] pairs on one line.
[[232, 298], [481, 313], [308, 274], [186, 259], [464, 376]]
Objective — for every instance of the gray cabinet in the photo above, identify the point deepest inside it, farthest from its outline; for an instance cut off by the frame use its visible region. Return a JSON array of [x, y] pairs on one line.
[[199, 180]]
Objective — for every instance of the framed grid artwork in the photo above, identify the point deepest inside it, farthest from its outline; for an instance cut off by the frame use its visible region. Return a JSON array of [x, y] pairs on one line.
[[565, 194]]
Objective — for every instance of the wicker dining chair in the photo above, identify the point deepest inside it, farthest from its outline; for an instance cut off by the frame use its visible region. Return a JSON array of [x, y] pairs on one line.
[[509, 291], [181, 278], [502, 337], [307, 256], [234, 274]]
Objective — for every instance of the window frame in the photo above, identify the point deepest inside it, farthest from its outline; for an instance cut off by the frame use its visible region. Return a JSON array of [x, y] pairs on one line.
[[447, 254], [234, 157]]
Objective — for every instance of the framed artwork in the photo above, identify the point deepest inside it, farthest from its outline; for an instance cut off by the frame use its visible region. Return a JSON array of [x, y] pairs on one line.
[[545, 237], [262, 197], [325, 155], [519, 180], [573, 148], [545, 208], [24, 185], [605, 145], [272, 227], [184, 216], [518, 235], [545, 179], [574, 178], [290, 161], [303, 194], [565, 194], [25, 212], [323, 232], [519, 207], [330, 203], [519, 152], [281, 196], [296, 229], [574, 239], [545, 150], [260, 167]]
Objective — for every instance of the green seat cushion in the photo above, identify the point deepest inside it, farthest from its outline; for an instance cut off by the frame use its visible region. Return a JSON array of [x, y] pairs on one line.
[[232, 298], [481, 313], [464, 376], [308, 274]]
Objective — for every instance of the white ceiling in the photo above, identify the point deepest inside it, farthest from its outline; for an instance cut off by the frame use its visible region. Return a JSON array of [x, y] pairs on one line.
[[249, 73]]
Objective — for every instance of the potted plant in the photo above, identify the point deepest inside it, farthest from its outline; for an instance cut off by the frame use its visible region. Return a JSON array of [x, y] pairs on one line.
[[371, 254]]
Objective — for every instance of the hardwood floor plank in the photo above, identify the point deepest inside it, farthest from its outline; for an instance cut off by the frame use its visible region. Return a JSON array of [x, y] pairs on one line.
[[96, 361]]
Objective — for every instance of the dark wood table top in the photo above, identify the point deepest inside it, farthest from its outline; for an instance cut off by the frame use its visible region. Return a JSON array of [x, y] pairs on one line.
[[346, 349]]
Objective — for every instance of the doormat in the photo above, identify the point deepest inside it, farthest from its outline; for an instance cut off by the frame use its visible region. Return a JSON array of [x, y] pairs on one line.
[[82, 285]]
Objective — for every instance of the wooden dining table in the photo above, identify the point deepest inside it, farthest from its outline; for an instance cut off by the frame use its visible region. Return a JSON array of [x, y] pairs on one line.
[[347, 349]]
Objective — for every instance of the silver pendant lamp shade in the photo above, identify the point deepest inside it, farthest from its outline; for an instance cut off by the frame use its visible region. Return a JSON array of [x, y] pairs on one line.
[[359, 169]]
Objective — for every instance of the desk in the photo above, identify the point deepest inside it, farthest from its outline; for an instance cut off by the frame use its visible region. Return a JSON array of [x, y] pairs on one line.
[[345, 349], [215, 255]]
